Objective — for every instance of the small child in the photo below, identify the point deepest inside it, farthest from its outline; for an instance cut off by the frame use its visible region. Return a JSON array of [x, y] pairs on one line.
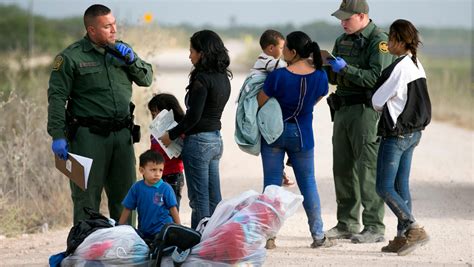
[[154, 200], [402, 97], [247, 130], [173, 172], [272, 43]]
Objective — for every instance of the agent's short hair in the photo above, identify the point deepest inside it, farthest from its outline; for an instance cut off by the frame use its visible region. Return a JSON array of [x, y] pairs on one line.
[[270, 37], [94, 11], [151, 156]]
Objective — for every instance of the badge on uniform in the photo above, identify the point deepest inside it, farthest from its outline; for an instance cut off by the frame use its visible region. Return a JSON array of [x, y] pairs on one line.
[[58, 61], [383, 47]]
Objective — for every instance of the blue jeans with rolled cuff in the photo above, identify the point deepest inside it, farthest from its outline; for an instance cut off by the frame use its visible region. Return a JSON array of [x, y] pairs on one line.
[[201, 154], [303, 166], [393, 173]]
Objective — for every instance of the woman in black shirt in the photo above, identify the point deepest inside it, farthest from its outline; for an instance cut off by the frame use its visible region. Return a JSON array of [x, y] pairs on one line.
[[206, 97]]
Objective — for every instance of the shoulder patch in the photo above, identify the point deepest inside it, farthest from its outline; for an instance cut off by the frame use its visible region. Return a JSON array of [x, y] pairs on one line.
[[383, 47], [58, 61]]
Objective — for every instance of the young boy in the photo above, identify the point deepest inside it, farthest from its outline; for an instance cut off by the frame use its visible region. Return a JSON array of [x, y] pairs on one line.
[[272, 43], [154, 199], [246, 133]]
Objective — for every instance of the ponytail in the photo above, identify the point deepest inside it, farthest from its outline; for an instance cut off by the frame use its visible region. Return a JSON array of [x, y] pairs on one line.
[[317, 60], [304, 47]]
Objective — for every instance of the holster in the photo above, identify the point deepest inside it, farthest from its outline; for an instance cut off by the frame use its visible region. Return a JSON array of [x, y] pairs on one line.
[[136, 134], [334, 103], [71, 123], [134, 128]]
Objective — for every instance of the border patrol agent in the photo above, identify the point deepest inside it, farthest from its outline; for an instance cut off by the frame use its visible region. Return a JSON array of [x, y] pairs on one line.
[[361, 55], [93, 77]]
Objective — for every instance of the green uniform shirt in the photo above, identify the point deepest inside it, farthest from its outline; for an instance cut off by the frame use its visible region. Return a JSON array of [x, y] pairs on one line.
[[96, 83], [366, 55]]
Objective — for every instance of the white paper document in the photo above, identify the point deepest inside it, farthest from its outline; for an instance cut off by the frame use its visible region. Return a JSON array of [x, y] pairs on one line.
[[86, 163], [76, 168], [163, 122]]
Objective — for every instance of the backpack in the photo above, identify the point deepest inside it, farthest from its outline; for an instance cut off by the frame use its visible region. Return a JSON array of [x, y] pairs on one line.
[[84, 228], [175, 240]]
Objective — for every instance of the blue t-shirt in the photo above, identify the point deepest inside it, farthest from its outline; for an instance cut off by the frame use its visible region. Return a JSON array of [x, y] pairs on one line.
[[153, 204], [297, 94]]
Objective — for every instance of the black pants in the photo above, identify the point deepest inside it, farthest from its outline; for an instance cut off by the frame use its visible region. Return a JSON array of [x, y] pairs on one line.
[[176, 180]]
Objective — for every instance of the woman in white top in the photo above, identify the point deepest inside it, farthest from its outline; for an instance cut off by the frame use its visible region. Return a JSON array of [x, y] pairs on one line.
[[402, 97]]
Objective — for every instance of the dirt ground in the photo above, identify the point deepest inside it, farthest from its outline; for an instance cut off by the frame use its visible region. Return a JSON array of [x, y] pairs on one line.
[[441, 184]]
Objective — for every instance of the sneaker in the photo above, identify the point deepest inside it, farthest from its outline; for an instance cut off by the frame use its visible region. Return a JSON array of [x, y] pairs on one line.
[[367, 236], [336, 233], [323, 243], [270, 243], [416, 237], [395, 245]]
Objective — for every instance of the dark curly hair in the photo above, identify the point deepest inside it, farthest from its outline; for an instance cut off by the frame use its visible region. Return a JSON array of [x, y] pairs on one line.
[[214, 55], [304, 47]]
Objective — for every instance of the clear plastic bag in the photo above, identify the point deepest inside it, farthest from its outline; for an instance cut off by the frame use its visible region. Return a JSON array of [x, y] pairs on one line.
[[238, 229], [115, 246]]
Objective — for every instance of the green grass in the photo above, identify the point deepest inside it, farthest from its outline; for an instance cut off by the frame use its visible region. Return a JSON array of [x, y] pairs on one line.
[[451, 89]]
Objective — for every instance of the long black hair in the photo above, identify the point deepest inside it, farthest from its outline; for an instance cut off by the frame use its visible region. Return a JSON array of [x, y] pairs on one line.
[[166, 101], [405, 32], [214, 55], [304, 47]]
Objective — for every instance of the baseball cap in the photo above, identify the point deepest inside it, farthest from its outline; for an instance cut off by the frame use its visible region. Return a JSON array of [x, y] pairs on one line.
[[351, 7]]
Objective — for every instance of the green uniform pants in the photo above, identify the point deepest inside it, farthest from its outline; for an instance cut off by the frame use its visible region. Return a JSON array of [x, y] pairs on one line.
[[113, 169], [355, 149]]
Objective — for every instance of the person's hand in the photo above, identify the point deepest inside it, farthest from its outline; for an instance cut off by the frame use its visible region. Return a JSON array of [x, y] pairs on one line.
[[60, 148], [165, 139], [337, 64], [126, 52]]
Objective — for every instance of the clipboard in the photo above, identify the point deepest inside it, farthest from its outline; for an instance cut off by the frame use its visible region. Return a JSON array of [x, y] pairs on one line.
[[326, 55], [74, 169]]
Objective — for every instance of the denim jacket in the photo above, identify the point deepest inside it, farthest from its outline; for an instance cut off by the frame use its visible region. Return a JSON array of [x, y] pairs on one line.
[[252, 123]]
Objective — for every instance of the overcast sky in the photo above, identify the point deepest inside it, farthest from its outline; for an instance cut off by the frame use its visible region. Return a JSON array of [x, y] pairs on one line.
[[444, 13]]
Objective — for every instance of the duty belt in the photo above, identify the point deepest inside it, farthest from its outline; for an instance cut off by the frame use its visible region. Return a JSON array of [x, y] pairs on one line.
[[353, 100], [335, 102], [104, 126]]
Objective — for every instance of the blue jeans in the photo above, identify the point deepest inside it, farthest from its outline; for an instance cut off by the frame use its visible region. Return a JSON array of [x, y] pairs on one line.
[[201, 154], [303, 167], [393, 172]]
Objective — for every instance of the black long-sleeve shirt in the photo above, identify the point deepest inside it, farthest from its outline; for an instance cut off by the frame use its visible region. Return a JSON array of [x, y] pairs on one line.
[[205, 102]]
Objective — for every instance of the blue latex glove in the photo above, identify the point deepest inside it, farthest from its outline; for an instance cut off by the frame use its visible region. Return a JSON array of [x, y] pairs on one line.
[[337, 64], [60, 148], [126, 52]]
